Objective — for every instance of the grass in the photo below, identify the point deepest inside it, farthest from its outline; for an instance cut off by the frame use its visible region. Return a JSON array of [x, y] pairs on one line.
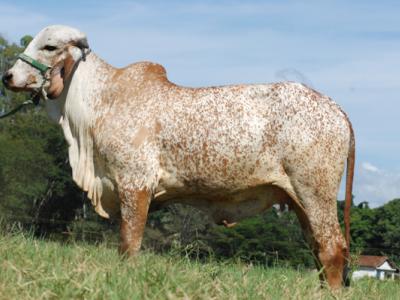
[[31, 268]]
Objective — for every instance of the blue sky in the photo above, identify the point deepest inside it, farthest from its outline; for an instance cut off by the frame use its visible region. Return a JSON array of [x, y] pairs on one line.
[[350, 51]]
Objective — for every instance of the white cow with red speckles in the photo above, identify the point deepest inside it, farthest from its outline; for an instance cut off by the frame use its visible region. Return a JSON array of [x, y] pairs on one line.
[[135, 138]]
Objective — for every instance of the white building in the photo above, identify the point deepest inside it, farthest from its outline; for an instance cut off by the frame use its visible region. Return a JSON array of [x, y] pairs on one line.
[[379, 267]]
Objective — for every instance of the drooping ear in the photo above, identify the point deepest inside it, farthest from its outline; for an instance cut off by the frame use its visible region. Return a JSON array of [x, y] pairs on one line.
[[59, 74], [69, 64], [75, 52]]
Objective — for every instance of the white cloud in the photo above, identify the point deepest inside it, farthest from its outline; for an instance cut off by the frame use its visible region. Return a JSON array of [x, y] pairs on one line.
[[369, 167], [375, 185]]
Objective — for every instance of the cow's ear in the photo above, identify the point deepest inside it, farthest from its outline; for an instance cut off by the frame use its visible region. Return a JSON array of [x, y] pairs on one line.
[[69, 64], [60, 73], [75, 52]]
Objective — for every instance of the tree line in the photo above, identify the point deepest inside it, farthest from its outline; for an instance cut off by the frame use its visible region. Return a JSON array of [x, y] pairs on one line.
[[37, 192]]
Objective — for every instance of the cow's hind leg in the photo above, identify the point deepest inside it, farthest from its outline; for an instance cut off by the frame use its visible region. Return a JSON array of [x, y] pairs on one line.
[[318, 218], [134, 209]]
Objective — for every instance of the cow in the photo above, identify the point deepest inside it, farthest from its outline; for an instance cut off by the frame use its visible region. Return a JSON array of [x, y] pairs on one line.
[[135, 139]]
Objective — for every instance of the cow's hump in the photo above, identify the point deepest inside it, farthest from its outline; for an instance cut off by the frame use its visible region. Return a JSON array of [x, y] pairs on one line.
[[145, 71]]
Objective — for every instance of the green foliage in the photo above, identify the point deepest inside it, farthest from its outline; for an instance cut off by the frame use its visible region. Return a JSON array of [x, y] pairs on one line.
[[387, 225], [375, 231], [25, 40], [22, 183]]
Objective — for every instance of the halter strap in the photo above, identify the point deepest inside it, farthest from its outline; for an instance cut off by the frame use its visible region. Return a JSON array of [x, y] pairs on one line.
[[34, 63]]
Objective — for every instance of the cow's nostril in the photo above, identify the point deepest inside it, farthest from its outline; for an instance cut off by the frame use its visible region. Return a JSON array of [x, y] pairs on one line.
[[7, 78]]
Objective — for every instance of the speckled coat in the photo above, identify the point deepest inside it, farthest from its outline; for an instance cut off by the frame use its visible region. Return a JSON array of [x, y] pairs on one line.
[[233, 151]]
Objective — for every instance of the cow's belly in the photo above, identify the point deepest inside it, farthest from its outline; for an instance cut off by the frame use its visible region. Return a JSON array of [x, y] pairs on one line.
[[225, 206]]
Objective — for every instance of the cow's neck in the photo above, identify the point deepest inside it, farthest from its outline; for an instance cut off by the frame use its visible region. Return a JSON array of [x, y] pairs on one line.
[[75, 111]]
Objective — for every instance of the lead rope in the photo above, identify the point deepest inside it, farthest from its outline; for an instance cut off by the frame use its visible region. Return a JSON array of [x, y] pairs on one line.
[[34, 100]]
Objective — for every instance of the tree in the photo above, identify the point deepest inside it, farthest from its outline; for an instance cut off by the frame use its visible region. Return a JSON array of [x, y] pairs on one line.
[[375, 231], [25, 40]]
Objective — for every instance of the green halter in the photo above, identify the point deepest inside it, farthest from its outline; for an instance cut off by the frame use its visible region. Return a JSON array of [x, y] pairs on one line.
[[34, 63], [43, 71]]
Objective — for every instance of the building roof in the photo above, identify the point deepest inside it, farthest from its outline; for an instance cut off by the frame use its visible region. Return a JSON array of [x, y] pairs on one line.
[[374, 261]]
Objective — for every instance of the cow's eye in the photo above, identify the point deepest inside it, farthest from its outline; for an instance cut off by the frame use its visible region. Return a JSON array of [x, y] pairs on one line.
[[49, 48]]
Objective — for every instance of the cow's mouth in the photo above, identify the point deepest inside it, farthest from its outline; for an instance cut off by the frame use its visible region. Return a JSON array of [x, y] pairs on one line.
[[17, 89], [26, 88]]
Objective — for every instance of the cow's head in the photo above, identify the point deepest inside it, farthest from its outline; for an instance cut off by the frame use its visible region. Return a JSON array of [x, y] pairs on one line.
[[58, 47]]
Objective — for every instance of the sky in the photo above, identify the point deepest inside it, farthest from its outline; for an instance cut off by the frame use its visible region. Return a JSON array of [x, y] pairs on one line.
[[348, 50]]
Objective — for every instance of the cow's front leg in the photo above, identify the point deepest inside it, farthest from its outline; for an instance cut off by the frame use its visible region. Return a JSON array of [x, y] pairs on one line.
[[134, 209]]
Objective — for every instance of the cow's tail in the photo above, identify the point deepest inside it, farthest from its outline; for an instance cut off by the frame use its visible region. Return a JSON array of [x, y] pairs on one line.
[[349, 188]]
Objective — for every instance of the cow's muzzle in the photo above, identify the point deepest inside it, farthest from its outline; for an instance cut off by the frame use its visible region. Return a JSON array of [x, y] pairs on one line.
[[7, 78]]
